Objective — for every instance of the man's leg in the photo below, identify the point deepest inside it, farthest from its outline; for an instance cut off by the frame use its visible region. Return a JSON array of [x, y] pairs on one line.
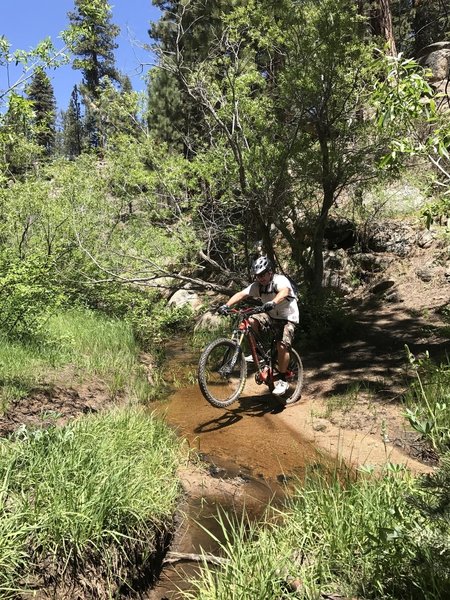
[[257, 323], [283, 352], [283, 357]]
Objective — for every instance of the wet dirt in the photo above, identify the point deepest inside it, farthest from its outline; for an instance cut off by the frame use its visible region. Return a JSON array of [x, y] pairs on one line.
[[199, 530], [246, 439], [248, 459]]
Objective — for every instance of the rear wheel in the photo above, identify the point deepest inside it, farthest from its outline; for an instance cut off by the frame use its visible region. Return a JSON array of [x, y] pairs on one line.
[[222, 371], [294, 377]]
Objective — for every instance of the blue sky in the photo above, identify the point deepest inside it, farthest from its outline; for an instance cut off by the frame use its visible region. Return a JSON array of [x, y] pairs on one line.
[[26, 22]]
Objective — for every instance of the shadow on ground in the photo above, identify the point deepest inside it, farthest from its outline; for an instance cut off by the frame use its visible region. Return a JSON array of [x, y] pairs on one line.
[[374, 355]]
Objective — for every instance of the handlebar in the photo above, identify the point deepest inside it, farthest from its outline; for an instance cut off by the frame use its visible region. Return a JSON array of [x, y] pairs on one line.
[[245, 312]]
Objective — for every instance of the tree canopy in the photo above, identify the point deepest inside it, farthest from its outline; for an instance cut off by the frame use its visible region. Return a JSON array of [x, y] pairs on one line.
[[260, 120]]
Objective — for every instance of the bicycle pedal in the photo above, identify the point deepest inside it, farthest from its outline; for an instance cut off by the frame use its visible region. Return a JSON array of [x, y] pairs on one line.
[[258, 379]]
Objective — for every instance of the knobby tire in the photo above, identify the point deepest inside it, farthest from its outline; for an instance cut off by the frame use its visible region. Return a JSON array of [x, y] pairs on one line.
[[296, 381], [222, 372]]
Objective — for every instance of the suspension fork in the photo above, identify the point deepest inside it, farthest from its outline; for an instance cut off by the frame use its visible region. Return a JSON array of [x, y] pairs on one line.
[[237, 337]]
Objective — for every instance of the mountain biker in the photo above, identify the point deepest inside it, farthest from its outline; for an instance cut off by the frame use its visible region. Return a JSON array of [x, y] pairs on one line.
[[281, 311]]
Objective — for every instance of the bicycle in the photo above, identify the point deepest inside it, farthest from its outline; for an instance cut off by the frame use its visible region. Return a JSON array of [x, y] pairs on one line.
[[222, 368]]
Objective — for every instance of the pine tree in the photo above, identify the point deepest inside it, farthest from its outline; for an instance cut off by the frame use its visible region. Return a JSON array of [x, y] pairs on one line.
[[94, 43], [380, 19], [92, 37], [173, 116], [431, 22], [410, 25], [402, 20], [41, 95], [73, 126]]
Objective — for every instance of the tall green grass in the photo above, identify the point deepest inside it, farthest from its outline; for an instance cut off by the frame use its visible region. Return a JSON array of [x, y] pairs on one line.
[[356, 538], [98, 345], [93, 344], [97, 492], [21, 367]]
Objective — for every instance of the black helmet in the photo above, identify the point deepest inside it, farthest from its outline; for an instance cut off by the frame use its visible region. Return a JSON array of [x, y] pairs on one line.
[[261, 264]]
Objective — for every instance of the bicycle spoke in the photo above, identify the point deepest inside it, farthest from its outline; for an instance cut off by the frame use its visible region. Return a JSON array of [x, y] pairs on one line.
[[222, 372]]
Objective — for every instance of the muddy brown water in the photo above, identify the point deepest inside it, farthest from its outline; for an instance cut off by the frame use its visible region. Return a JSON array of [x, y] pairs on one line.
[[246, 447], [247, 438]]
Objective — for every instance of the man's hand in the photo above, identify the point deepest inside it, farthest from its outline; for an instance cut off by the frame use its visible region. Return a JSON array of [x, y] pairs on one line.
[[223, 310], [268, 306]]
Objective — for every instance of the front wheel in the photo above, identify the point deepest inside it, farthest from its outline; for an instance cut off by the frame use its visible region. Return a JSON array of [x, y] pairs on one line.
[[222, 371], [294, 376]]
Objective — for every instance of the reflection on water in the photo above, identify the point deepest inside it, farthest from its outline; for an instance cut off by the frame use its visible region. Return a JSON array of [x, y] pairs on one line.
[[199, 529]]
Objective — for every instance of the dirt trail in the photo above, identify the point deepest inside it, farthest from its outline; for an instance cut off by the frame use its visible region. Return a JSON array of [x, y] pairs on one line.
[[369, 372], [256, 436]]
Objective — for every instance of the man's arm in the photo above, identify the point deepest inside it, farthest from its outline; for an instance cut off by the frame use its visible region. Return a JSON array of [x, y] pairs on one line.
[[282, 295], [237, 297]]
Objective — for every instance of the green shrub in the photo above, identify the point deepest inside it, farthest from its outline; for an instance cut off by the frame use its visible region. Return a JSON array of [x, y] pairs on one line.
[[323, 319], [428, 401], [152, 319], [29, 294], [158, 322], [436, 209]]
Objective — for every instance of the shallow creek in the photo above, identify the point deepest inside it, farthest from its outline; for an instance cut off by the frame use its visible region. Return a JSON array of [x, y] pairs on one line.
[[250, 454]]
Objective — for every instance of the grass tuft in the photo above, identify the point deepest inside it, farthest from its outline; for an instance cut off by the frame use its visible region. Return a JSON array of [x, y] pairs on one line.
[[89, 493], [357, 537]]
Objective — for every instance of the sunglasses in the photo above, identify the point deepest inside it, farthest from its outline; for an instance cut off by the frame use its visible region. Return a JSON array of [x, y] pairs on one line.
[[261, 275]]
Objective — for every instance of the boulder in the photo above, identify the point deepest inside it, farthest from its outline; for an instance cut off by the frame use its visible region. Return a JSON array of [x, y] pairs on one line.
[[371, 263], [425, 238], [397, 238], [340, 233], [208, 320], [436, 57], [185, 297], [382, 286], [425, 274], [338, 271]]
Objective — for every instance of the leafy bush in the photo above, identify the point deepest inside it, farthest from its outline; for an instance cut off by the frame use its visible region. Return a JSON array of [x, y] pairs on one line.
[[432, 498], [324, 319], [161, 323], [152, 319], [436, 209], [428, 401], [29, 294]]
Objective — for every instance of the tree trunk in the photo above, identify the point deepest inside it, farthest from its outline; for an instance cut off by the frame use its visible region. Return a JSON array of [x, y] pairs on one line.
[[386, 26], [381, 20], [329, 189], [318, 262]]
